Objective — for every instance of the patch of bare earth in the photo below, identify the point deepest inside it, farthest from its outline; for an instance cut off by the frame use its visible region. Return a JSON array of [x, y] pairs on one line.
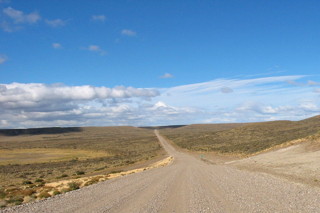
[[297, 160]]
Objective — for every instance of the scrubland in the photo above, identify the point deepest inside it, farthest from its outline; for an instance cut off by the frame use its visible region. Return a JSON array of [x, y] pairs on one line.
[[240, 139], [31, 158]]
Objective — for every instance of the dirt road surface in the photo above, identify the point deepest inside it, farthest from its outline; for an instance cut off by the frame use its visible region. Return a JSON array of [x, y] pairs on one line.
[[187, 185]]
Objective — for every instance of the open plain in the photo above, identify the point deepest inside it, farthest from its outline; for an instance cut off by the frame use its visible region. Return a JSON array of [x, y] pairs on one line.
[[32, 158], [186, 185]]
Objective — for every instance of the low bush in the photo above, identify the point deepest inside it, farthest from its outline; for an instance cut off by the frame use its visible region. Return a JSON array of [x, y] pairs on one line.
[[92, 181], [80, 172], [39, 180], [74, 185], [44, 194], [116, 171], [2, 194], [27, 192], [62, 176], [56, 192], [26, 182], [17, 200]]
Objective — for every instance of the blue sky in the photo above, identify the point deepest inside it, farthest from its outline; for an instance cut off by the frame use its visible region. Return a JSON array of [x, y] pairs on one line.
[[157, 62]]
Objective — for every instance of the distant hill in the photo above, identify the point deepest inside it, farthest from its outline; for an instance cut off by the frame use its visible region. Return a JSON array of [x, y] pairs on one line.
[[245, 138], [162, 127], [39, 131]]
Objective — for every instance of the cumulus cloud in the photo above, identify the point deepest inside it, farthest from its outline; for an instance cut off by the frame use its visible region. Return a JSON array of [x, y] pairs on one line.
[[3, 58], [128, 32], [36, 103], [17, 93], [20, 17], [101, 18], [256, 99], [14, 20], [166, 75], [56, 22], [56, 45]]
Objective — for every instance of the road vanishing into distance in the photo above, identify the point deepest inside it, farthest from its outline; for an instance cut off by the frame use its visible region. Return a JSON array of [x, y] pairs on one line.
[[186, 185]]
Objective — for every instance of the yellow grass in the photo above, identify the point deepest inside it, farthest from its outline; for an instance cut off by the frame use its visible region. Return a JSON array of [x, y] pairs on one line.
[[58, 185], [41, 155]]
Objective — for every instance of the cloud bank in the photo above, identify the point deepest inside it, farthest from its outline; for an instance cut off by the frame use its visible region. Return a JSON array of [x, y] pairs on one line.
[[217, 101]]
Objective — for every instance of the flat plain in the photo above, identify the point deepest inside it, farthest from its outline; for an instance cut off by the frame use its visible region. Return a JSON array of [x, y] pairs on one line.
[[187, 184], [212, 168]]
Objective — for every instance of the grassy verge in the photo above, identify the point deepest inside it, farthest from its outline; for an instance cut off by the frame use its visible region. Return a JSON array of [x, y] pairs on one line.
[[18, 195]]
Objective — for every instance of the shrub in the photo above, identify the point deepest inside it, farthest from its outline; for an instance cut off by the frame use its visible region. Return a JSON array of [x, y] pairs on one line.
[[92, 181], [116, 171], [44, 194], [39, 180], [64, 190], [2, 194], [63, 176], [26, 182], [74, 185], [80, 172], [17, 200], [56, 192], [27, 192], [129, 162]]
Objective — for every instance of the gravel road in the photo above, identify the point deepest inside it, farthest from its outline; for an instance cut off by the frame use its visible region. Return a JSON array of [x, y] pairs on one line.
[[186, 185]]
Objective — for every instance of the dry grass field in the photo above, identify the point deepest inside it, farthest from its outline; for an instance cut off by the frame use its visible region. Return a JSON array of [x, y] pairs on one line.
[[29, 159], [242, 139]]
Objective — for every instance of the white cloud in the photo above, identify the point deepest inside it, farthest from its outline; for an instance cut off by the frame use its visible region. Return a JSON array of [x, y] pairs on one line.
[[167, 75], [56, 45], [34, 93], [35, 104], [56, 22], [13, 20], [96, 48], [128, 32], [20, 17], [3, 58], [7, 27], [310, 107], [257, 99], [99, 18]]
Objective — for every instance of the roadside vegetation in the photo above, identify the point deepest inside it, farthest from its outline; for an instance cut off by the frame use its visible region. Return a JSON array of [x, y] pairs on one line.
[[241, 139], [29, 160]]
